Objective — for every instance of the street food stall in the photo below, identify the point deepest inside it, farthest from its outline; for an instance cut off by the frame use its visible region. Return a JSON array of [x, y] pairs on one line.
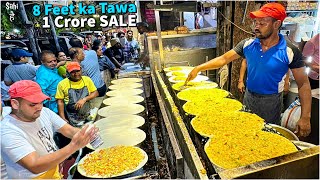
[[193, 131], [300, 163]]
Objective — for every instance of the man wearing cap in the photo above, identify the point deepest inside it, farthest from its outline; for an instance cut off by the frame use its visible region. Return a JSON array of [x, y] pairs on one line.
[[20, 69], [90, 66], [27, 145], [268, 57], [48, 78], [115, 52], [73, 95]]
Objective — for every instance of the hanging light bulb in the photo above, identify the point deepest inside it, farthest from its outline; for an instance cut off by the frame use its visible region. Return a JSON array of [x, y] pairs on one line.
[[309, 59]]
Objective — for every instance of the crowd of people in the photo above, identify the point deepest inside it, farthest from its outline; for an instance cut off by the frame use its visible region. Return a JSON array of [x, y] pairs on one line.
[[51, 103], [106, 53]]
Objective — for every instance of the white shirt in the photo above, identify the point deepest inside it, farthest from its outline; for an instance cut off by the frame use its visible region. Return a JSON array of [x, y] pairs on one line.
[[22, 138]]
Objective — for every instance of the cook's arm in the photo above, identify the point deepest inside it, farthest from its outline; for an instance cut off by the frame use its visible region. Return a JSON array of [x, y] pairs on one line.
[[303, 126], [214, 63]]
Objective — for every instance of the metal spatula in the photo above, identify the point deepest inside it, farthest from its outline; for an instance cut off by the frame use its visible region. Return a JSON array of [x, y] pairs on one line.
[[184, 86]]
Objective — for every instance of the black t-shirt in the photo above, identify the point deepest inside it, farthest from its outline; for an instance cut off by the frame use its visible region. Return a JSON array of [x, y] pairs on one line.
[[116, 53]]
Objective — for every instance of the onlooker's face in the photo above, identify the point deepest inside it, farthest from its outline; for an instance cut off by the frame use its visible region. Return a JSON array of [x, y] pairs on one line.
[[50, 61], [75, 75], [130, 35], [62, 56], [99, 51], [27, 110], [24, 59]]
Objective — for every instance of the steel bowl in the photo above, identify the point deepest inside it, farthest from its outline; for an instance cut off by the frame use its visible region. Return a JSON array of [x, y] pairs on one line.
[[285, 132]]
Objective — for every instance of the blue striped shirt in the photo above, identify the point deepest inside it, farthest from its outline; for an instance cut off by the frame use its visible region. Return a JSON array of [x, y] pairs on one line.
[[19, 71], [90, 67]]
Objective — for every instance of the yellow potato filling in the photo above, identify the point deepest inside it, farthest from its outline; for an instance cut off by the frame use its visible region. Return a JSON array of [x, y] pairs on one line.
[[214, 106], [226, 123], [112, 161], [194, 94], [180, 85], [179, 73], [180, 78], [229, 151]]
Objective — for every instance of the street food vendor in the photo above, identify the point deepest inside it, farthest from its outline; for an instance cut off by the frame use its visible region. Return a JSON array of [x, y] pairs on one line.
[[90, 66], [269, 56], [27, 145], [73, 95], [144, 52]]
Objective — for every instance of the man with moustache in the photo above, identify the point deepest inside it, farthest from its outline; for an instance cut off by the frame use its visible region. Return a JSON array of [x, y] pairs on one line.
[[73, 95], [48, 78], [90, 66], [268, 57], [27, 145]]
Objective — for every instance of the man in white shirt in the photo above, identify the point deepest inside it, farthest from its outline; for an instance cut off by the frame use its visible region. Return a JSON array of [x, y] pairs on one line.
[[27, 145]]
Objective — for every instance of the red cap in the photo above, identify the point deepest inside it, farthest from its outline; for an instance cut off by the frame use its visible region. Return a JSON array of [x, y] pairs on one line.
[[28, 90], [274, 10], [73, 66]]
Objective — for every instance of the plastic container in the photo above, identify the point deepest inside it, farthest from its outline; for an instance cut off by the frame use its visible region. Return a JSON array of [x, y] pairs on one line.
[[97, 140]]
